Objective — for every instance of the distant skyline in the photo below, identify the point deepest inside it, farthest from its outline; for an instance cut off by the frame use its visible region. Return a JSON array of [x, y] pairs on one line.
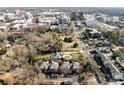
[[104, 10], [61, 3]]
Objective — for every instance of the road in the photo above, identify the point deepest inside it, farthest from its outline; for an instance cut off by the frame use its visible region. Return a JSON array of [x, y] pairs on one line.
[[84, 49], [82, 45]]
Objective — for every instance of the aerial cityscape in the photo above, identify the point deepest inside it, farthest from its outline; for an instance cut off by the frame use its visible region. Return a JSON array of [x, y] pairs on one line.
[[61, 46]]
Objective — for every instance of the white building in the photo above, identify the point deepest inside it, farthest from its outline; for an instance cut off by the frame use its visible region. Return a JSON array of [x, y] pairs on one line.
[[89, 16], [114, 19], [18, 21], [65, 19], [106, 27], [43, 21], [95, 34], [121, 23], [91, 23], [102, 17], [106, 57], [9, 16], [19, 12], [2, 17], [29, 18], [51, 14], [17, 26], [90, 20], [47, 21], [3, 28]]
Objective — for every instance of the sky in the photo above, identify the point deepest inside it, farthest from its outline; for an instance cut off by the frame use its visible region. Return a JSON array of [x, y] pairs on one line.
[[61, 3]]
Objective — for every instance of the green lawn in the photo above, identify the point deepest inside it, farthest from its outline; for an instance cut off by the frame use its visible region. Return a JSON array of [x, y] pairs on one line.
[[67, 47], [77, 56], [43, 56], [5, 68]]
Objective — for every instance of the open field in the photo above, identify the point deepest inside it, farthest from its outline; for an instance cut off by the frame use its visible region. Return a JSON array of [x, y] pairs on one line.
[[42, 56], [67, 47], [77, 56]]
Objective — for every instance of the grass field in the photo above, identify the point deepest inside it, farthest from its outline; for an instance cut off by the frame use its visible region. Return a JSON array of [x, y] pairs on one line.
[[42, 56], [77, 56], [67, 47]]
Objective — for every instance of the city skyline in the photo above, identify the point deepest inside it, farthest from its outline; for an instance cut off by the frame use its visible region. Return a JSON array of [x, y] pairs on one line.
[[61, 3]]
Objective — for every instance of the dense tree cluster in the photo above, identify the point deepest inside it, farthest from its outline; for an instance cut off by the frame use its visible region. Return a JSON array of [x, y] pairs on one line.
[[17, 61], [19, 66], [77, 16], [116, 36]]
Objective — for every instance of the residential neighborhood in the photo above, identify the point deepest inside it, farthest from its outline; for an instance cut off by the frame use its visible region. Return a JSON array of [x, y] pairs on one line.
[[61, 46]]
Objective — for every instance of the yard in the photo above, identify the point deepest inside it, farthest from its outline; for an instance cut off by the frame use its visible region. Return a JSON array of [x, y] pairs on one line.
[[42, 56], [77, 56], [67, 47]]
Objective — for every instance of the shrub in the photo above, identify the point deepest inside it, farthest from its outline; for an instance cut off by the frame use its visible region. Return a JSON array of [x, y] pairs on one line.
[[2, 51], [75, 45], [68, 39]]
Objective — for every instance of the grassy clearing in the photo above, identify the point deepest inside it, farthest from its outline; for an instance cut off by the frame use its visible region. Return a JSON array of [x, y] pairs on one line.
[[67, 47], [43, 56], [5, 68], [77, 56]]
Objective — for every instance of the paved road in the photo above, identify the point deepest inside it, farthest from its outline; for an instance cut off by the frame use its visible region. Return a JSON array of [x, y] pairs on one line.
[[84, 47]]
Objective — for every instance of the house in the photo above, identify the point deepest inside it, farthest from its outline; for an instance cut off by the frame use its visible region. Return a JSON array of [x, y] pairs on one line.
[[106, 27], [51, 14], [54, 67], [106, 58], [121, 23], [92, 81], [116, 74], [3, 28], [18, 22], [28, 15], [17, 26], [49, 67], [19, 12], [9, 16], [65, 68], [45, 21], [56, 55], [114, 19], [29, 18], [76, 67], [95, 34], [2, 17], [65, 19], [119, 51], [91, 23], [44, 67], [90, 20], [88, 30]]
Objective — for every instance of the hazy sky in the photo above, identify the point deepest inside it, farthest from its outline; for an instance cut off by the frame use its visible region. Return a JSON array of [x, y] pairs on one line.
[[61, 3]]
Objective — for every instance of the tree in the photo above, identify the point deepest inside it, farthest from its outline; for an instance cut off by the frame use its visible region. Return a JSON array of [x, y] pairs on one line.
[[86, 35], [46, 43], [75, 45], [43, 29], [87, 67], [3, 51], [19, 53], [68, 39]]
